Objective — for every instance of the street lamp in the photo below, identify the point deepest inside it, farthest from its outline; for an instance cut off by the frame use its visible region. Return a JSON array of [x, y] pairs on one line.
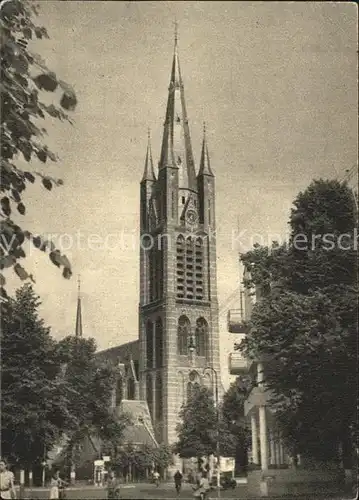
[[217, 443]]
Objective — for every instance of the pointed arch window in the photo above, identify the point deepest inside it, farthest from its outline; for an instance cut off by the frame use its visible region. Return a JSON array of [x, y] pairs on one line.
[[149, 393], [149, 344], [199, 269], [180, 254], [159, 396], [159, 343], [183, 333], [201, 336], [190, 258]]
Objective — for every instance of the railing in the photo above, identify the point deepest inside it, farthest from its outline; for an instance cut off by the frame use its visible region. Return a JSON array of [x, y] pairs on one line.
[[235, 323]]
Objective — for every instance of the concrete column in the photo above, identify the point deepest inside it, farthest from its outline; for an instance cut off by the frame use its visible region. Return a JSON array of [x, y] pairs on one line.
[[137, 390], [272, 448], [281, 451], [263, 437], [277, 450], [255, 456]]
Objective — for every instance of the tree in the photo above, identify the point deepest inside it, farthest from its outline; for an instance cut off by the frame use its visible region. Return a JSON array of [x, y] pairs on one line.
[[199, 430], [89, 385], [233, 416], [23, 75], [306, 322], [33, 406]]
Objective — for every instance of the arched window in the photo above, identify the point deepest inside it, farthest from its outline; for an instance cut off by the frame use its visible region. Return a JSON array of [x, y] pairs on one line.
[[149, 344], [149, 391], [180, 254], [156, 271], [201, 336], [159, 396], [183, 333], [189, 268], [190, 257], [199, 269], [159, 343], [192, 387]]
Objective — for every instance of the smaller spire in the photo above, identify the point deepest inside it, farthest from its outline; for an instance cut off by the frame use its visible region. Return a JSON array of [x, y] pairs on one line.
[[205, 165], [78, 330], [148, 174]]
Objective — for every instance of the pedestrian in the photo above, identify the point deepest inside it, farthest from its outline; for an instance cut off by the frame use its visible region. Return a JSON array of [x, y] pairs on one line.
[[156, 478], [178, 481], [57, 486], [113, 486], [7, 487], [203, 487]]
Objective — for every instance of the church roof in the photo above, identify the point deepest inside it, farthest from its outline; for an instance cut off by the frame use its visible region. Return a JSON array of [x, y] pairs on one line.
[[176, 143], [205, 165], [149, 174]]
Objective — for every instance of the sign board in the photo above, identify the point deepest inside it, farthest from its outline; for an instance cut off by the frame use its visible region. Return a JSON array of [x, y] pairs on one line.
[[106, 458], [99, 463], [227, 464]]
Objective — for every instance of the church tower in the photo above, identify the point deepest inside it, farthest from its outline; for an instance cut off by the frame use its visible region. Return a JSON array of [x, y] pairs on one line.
[[178, 309]]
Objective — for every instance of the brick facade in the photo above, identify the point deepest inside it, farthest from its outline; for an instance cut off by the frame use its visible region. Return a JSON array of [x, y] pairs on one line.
[[175, 283]]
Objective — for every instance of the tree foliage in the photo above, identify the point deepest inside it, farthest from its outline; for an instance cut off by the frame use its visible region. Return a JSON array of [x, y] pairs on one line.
[[50, 389], [139, 459], [233, 415], [306, 321], [24, 78], [33, 404], [199, 430], [89, 384]]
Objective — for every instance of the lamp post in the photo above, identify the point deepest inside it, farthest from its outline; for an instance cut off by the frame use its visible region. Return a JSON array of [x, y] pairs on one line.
[[217, 443]]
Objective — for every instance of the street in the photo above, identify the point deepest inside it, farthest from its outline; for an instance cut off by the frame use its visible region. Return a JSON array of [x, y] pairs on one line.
[[150, 491]]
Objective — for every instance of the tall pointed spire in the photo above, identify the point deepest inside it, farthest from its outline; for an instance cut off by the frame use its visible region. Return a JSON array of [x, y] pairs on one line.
[[176, 144], [149, 174], [205, 165], [78, 330]]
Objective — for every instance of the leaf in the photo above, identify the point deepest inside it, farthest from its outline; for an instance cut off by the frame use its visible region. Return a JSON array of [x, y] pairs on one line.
[[47, 183], [5, 205], [42, 155], [27, 32], [29, 177], [68, 101], [16, 195], [21, 208], [55, 258], [20, 271], [46, 81], [7, 261], [67, 273]]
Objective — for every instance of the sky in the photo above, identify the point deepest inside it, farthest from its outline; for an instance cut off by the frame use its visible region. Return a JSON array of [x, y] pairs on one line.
[[276, 84]]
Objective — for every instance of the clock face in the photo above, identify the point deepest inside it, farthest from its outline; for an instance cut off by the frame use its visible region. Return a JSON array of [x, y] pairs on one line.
[[191, 217]]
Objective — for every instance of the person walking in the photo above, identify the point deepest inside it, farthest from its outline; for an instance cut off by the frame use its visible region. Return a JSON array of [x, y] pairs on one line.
[[202, 488], [57, 487], [113, 487], [156, 478], [7, 480], [178, 481]]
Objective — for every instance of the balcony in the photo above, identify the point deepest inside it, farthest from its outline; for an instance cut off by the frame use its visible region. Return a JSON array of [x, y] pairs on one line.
[[237, 364], [235, 321]]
